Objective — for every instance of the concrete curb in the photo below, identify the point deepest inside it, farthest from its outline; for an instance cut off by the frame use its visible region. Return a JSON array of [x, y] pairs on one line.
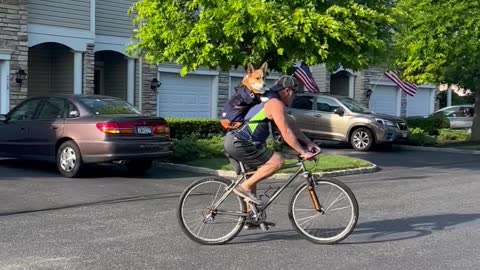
[[438, 149], [279, 176]]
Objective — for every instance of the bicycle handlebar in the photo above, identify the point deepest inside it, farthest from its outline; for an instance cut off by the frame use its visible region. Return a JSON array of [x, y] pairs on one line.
[[314, 157]]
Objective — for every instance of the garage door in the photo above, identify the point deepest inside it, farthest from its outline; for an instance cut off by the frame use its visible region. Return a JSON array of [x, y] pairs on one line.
[[384, 100], [235, 81], [419, 105], [185, 97]]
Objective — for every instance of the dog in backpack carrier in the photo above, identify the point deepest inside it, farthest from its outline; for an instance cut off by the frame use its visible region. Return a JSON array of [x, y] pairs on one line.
[[246, 96]]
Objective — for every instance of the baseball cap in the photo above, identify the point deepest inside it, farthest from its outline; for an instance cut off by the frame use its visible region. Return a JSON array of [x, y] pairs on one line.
[[285, 81]]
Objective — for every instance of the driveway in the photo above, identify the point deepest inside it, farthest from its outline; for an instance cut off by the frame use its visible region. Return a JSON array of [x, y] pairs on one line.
[[421, 211]]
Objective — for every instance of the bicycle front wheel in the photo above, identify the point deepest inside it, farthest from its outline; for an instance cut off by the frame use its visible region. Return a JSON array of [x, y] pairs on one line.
[[337, 218], [204, 224]]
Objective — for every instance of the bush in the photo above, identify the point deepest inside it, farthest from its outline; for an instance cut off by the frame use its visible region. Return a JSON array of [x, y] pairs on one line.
[[451, 135], [193, 147], [417, 136], [200, 128], [430, 125]]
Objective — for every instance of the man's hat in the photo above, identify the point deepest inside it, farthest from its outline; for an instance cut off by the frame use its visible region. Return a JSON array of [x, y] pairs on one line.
[[285, 82]]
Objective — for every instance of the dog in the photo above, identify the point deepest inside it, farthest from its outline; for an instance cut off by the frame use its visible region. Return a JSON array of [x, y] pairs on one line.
[[254, 80], [247, 94]]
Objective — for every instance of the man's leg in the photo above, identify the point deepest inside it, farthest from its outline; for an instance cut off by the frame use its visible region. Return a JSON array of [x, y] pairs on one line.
[[273, 165]]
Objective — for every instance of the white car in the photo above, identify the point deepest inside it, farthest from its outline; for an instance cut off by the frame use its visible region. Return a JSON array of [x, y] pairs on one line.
[[459, 116]]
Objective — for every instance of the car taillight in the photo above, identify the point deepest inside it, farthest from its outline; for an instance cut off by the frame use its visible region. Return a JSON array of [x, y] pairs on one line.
[[114, 128], [161, 129]]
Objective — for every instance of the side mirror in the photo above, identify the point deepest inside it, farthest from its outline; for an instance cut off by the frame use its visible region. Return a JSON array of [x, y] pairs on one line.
[[3, 118], [73, 114], [339, 111]]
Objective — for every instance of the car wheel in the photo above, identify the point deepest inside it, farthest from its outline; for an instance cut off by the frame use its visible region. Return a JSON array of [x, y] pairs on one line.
[[362, 139], [69, 159], [138, 167]]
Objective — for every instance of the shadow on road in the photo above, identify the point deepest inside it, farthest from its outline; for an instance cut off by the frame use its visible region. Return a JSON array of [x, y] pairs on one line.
[[378, 231]]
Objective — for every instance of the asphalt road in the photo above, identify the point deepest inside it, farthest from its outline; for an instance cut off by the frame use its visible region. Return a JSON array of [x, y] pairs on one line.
[[421, 211]]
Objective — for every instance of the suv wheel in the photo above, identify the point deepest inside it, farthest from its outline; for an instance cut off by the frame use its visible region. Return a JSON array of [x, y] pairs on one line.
[[362, 139], [69, 159], [138, 167]]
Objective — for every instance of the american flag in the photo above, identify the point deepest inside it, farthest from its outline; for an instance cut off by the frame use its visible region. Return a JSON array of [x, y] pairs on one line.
[[407, 87], [303, 74]]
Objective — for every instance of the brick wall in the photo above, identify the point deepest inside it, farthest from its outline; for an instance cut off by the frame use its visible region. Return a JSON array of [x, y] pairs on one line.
[[149, 97], [13, 37], [88, 69], [223, 80]]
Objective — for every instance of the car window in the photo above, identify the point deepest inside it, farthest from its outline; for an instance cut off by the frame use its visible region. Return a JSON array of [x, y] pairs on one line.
[[354, 105], [72, 111], [53, 108], [109, 106], [24, 112], [327, 104], [303, 102]]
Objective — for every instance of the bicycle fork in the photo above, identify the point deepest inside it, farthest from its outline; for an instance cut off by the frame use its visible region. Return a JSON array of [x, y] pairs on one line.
[[311, 184]]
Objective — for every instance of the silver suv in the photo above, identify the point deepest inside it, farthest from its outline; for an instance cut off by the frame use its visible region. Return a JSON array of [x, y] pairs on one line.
[[340, 118]]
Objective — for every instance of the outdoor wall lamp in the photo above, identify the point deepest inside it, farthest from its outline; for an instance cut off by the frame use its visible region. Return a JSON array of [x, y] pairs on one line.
[[21, 76], [368, 93], [154, 84]]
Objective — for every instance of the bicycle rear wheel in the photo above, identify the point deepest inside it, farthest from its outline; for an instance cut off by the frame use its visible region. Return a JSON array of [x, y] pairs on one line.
[[339, 216], [203, 224]]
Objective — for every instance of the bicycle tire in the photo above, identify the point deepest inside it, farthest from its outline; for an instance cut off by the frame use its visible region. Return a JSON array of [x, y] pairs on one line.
[[219, 240], [319, 240]]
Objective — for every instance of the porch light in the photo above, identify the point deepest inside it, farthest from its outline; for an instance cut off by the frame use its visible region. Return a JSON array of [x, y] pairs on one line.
[[21, 76], [368, 93], [154, 84]]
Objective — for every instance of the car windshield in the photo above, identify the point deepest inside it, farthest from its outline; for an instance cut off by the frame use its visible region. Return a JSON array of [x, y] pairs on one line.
[[106, 106], [354, 105]]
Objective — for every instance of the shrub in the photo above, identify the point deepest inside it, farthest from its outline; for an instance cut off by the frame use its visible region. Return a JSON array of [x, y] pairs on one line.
[[430, 125], [417, 136], [192, 148], [451, 135], [200, 128]]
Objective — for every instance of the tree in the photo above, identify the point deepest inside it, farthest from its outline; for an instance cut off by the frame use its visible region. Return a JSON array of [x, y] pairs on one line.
[[231, 33], [440, 42]]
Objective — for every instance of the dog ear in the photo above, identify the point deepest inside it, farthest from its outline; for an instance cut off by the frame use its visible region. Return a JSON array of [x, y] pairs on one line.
[[264, 68], [250, 68]]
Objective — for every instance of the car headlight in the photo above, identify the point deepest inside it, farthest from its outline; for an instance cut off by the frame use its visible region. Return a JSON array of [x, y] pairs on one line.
[[385, 123]]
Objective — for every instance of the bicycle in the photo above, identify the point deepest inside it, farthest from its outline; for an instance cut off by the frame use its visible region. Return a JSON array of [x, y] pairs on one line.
[[223, 208]]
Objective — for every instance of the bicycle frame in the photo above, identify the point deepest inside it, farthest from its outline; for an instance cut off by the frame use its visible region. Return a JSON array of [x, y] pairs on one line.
[[301, 169]]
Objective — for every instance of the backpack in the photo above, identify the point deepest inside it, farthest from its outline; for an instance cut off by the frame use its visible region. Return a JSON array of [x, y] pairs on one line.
[[236, 108]]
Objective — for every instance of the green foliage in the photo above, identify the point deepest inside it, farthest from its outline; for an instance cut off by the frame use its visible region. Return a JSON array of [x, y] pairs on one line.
[[231, 33], [416, 136], [450, 135], [192, 148], [201, 128], [431, 125]]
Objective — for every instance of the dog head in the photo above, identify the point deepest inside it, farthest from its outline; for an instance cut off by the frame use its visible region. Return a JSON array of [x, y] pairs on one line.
[[255, 78]]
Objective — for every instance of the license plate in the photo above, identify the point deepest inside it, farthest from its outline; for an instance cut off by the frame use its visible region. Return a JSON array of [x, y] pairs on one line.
[[144, 130]]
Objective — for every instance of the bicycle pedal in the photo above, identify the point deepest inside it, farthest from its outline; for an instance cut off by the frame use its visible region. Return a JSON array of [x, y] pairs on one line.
[[264, 227]]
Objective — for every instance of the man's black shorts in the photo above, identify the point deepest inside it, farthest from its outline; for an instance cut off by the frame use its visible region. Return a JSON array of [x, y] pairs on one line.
[[252, 155]]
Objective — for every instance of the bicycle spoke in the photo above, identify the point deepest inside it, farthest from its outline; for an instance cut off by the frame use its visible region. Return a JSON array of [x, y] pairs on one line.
[[340, 208], [195, 220], [216, 194], [336, 199]]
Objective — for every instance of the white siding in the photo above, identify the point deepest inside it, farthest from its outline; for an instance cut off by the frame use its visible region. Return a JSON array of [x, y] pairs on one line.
[[64, 13], [111, 18]]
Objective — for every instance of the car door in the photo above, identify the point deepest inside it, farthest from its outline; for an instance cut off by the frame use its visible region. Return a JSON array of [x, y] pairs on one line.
[[14, 131], [302, 112], [330, 124], [48, 128]]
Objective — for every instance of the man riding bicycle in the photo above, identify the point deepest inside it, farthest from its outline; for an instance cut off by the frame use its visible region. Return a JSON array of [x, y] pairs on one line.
[[248, 143]]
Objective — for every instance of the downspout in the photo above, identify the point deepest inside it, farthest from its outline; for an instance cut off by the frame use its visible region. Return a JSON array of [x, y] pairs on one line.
[[140, 84]]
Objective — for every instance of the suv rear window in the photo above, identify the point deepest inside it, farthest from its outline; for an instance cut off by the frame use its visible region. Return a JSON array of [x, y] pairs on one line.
[[106, 106]]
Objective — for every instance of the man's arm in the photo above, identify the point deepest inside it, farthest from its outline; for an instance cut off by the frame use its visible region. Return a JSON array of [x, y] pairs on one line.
[[275, 110]]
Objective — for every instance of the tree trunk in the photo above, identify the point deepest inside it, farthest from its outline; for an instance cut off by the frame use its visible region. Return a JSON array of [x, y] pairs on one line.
[[476, 118]]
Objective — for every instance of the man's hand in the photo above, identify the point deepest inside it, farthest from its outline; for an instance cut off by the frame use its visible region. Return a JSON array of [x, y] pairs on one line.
[[313, 147], [308, 155]]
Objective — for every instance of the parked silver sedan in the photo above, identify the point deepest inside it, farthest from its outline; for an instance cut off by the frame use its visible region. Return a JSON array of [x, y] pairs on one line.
[[459, 116]]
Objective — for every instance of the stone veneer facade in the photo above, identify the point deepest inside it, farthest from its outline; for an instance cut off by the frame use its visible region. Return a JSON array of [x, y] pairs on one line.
[[14, 38], [88, 69]]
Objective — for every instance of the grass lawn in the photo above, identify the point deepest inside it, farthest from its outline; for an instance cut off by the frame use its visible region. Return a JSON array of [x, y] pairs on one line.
[[326, 163], [469, 147]]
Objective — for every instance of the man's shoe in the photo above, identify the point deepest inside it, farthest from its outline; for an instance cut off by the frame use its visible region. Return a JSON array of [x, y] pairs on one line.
[[252, 225], [247, 195]]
